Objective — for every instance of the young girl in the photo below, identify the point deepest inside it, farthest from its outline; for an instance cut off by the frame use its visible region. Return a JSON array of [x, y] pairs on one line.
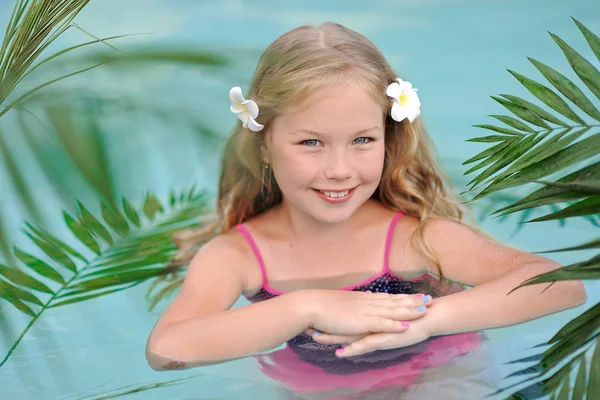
[[335, 221]]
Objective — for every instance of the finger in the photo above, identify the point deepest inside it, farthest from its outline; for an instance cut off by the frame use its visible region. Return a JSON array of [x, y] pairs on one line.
[[367, 344], [408, 301], [387, 300], [380, 324], [427, 300], [386, 296], [326, 338], [398, 313], [417, 300]]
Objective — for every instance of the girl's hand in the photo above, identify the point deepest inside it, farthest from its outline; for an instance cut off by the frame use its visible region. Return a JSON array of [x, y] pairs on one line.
[[361, 344], [328, 338], [350, 313]]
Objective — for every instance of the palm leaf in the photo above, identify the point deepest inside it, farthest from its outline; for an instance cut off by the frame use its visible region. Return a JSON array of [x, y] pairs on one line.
[[32, 28], [118, 261], [547, 96], [514, 123], [486, 153], [589, 269], [554, 163], [511, 145], [594, 381], [591, 187], [579, 389], [588, 74], [546, 370], [590, 37], [565, 148], [585, 207], [514, 153], [594, 244], [551, 194], [138, 388], [165, 55], [576, 337], [525, 110], [536, 110], [550, 147], [568, 89]]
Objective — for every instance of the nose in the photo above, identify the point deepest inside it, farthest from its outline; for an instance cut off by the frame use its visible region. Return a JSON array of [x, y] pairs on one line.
[[338, 166]]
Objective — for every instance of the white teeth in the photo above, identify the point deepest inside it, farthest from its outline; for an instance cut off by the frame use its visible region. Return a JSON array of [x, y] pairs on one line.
[[335, 195]]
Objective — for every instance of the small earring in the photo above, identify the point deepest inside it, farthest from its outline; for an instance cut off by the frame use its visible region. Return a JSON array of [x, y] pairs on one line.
[[265, 187]]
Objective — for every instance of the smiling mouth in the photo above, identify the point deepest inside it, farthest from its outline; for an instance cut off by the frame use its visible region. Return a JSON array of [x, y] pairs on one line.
[[334, 194]]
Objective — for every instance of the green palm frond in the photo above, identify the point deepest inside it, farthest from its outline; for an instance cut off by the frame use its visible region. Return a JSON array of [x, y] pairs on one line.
[[534, 145], [121, 248], [527, 152], [32, 28], [136, 388], [570, 346]]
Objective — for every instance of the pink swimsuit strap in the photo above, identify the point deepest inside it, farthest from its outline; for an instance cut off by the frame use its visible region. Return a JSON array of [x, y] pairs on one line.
[[259, 258], [261, 263]]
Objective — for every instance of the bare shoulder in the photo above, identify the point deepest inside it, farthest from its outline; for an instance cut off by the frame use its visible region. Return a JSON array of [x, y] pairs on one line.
[[468, 256], [437, 229], [213, 282], [230, 251], [442, 235]]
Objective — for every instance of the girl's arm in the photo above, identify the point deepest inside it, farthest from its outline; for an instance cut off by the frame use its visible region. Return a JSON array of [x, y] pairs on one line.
[[199, 328], [493, 270]]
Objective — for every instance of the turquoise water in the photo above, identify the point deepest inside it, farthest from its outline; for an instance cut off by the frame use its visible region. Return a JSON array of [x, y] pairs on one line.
[[455, 52]]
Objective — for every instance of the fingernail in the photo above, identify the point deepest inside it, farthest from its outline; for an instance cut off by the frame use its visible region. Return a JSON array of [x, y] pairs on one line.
[[426, 298], [339, 351], [404, 323], [317, 333], [368, 291], [419, 295], [421, 308]]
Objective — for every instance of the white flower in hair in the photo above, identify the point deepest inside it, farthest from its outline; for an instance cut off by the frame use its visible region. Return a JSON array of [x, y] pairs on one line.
[[406, 102], [246, 110]]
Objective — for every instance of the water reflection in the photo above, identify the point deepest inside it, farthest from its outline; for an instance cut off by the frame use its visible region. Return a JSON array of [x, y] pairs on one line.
[[439, 365]]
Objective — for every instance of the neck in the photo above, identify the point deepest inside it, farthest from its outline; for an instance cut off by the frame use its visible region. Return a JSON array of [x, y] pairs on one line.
[[305, 229]]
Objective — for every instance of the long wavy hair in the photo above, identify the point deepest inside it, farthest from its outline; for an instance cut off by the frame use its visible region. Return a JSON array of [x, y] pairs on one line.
[[296, 64]]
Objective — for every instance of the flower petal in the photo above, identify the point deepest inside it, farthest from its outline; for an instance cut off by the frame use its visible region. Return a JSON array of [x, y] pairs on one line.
[[398, 113], [252, 108], [413, 113], [237, 108], [405, 86], [235, 95], [243, 116], [413, 98], [254, 126], [393, 90]]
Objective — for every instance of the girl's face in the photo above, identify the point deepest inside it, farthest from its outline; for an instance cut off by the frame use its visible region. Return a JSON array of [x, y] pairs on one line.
[[327, 153]]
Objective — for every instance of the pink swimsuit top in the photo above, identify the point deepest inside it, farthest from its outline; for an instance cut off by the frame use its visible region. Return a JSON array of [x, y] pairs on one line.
[[384, 282]]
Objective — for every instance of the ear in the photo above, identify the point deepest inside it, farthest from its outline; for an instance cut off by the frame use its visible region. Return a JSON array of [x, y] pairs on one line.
[[264, 154]]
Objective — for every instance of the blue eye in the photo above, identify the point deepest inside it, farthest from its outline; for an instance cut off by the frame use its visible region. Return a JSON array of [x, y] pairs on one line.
[[310, 142], [363, 141]]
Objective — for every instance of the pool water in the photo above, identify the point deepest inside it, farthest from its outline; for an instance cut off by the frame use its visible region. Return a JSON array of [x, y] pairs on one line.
[[454, 51]]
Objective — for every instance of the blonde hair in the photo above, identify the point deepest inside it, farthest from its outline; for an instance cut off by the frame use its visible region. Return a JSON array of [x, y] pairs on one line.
[[295, 65]]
